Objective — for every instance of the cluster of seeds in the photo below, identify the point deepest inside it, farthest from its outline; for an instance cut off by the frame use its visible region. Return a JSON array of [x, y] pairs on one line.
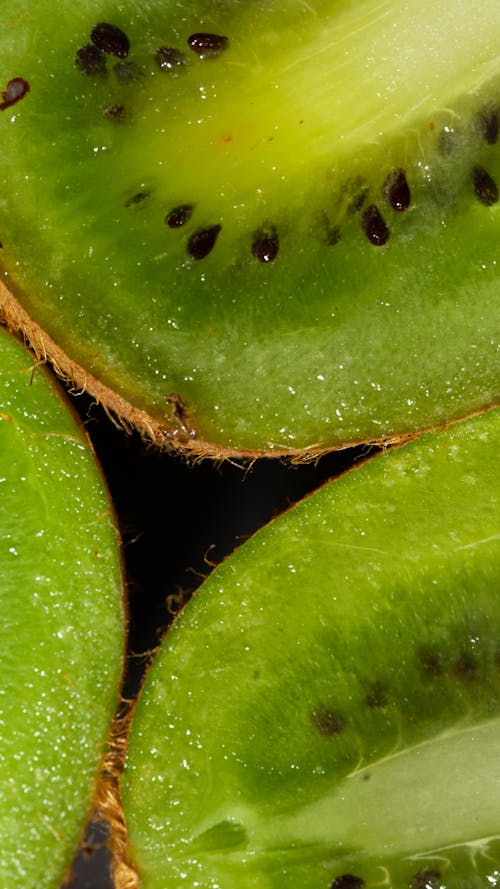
[[107, 39], [430, 664], [329, 723], [265, 242], [396, 191]]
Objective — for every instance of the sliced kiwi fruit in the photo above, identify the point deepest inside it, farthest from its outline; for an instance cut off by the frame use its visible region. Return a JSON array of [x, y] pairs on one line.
[[325, 713], [257, 226], [61, 625]]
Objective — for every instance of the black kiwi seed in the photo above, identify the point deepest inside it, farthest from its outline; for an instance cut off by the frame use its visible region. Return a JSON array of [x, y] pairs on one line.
[[374, 226], [348, 881], [376, 697], [202, 242], [179, 215], [90, 60], [16, 89], [332, 235], [115, 112], [489, 125], [207, 44], [127, 72], [485, 186], [430, 663], [110, 39], [327, 722], [266, 245], [425, 879], [137, 198], [397, 190], [169, 59]]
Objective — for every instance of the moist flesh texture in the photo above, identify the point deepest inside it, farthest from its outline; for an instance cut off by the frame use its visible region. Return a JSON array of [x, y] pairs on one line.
[[326, 712], [284, 215]]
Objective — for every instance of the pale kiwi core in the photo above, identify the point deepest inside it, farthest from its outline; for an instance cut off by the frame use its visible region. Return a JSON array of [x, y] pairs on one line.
[[304, 105]]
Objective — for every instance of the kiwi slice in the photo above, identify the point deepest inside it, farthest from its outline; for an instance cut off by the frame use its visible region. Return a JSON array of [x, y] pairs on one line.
[[264, 226], [325, 713], [61, 625]]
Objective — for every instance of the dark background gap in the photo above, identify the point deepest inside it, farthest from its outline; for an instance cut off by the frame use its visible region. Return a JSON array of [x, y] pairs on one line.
[[177, 521]]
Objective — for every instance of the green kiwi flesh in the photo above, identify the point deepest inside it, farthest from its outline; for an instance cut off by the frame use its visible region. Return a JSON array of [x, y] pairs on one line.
[[279, 235], [61, 625], [325, 713]]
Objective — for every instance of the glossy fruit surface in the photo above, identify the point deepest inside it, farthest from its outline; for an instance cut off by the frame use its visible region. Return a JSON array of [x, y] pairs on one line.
[[271, 226], [328, 705], [61, 624]]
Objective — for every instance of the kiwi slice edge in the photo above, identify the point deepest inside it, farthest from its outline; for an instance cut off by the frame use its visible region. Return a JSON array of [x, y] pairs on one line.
[[177, 413], [234, 765], [62, 622]]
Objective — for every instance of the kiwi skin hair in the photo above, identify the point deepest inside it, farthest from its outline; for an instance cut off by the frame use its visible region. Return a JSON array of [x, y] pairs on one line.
[[262, 228]]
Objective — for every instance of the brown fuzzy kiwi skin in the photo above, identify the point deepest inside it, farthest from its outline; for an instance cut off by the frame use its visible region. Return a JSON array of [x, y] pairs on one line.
[[107, 800], [176, 432]]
